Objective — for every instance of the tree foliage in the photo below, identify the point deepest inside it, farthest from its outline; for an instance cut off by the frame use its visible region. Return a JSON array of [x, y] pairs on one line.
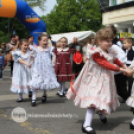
[[34, 3], [73, 15]]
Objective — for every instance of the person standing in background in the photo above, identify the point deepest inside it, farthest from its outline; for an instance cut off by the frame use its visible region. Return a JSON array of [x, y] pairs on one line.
[[17, 39], [120, 79], [30, 40], [2, 64], [11, 46], [127, 45]]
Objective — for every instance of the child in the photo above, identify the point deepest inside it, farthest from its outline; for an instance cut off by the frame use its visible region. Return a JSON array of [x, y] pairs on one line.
[[127, 44], [95, 88], [63, 68], [2, 64], [43, 76], [21, 71], [130, 100], [77, 61]]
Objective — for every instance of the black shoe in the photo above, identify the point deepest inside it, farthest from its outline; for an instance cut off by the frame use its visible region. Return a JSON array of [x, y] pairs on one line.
[[132, 109], [131, 126], [44, 99], [19, 100], [33, 104], [88, 132], [30, 94], [104, 120]]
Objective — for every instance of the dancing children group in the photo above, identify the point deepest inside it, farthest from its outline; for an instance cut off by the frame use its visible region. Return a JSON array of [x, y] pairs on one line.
[[94, 88]]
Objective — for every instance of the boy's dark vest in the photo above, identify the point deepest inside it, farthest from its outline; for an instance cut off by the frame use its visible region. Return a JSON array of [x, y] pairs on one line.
[[130, 57]]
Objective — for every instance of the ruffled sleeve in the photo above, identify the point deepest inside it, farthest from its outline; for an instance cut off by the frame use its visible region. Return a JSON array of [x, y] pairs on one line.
[[16, 55], [104, 63], [114, 52], [33, 48]]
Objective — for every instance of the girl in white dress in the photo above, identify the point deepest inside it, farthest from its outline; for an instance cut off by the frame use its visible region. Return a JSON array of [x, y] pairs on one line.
[[21, 71], [130, 100], [94, 88], [43, 75]]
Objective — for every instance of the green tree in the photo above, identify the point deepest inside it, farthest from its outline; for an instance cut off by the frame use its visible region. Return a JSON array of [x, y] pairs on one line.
[[73, 15], [34, 3]]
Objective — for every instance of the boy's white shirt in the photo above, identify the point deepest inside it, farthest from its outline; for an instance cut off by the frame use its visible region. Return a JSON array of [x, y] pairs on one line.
[[121, 55]]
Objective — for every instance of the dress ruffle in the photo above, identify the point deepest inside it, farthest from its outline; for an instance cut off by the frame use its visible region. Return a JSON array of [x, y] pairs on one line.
[[43, 86], [92, 101], [111, 53]]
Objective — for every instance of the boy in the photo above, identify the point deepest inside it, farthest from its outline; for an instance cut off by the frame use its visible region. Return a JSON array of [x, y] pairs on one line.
[[2, 63], [127, 44]]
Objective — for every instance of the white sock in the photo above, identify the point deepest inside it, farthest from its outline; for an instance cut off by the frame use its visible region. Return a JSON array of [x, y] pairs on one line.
[[44, 93], [132, 121], [88, 119], [20, 96], [60, 87], [63, 87], [34, 96]]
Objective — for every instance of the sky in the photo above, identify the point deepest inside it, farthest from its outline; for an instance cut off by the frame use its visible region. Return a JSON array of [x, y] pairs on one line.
[[49, 6]]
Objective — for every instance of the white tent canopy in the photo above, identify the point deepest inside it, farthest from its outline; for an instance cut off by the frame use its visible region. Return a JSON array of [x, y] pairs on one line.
[[82, 37]]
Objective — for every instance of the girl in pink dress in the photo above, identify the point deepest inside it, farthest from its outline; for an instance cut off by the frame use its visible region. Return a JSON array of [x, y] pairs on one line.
[[63, 67], [95, 88]]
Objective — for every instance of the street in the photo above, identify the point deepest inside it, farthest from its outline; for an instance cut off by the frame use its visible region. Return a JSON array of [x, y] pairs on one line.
[[60, 115]]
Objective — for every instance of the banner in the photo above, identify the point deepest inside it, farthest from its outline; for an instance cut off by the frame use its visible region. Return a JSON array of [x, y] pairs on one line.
[[125, 35]]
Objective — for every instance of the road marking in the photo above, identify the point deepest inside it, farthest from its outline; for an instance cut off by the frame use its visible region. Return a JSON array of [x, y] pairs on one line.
[[27, 125]]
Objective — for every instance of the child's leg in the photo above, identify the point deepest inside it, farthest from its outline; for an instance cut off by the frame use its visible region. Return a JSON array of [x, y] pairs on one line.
[[88, 119], [44, 97], [34, 96], [20, 96], [0, 71], [63, 87], [44, 93], [132, 124], [102, 117]]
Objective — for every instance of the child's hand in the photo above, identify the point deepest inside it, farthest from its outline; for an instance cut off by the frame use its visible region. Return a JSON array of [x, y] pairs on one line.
[[129, 72], [29, 66]]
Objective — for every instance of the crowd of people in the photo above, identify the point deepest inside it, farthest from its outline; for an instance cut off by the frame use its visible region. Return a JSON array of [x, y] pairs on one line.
[[102, 69]]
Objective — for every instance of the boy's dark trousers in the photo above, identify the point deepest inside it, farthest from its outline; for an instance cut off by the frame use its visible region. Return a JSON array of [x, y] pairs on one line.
[[121, 85], [0, 70], [130, 83]]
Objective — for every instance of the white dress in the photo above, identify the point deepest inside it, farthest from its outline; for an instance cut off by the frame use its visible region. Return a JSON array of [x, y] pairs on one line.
[[130, 100], [43, 75], [21, 73]]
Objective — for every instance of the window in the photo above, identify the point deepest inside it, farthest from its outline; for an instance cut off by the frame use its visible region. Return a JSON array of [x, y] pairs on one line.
[[113, 2]]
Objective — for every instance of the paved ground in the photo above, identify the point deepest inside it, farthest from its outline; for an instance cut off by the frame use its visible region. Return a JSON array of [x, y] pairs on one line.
[[70, 122]]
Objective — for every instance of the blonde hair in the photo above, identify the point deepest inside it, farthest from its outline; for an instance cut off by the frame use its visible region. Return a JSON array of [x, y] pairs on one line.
[[64, 38], [21, 42], [42, 35]]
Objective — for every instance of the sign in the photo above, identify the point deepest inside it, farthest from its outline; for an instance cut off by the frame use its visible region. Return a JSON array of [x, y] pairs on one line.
[[125, 35]]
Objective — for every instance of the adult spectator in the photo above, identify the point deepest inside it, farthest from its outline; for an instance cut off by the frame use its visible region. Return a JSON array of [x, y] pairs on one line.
[[31, 39], [3, 47], [11, 46], [17, 39]]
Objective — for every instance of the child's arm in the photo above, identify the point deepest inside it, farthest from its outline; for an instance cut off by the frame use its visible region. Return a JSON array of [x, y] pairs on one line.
[[105, 64], [23, 62]]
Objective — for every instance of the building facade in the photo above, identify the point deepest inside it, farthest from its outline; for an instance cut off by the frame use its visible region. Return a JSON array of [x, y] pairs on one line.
[[119, 13]]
